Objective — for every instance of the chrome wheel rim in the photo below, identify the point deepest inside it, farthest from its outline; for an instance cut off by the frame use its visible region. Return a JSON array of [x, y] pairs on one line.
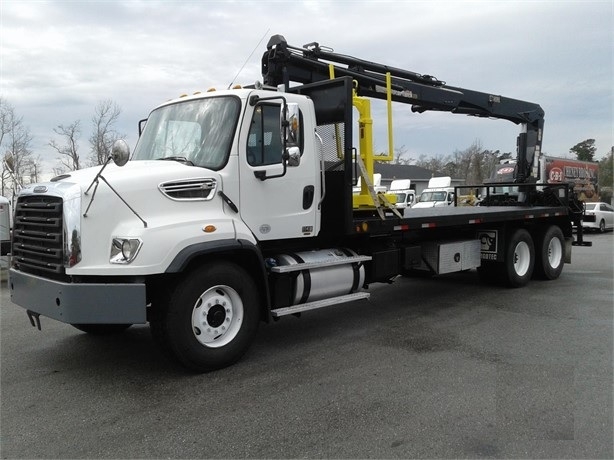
[[522, 258], [217, 316]]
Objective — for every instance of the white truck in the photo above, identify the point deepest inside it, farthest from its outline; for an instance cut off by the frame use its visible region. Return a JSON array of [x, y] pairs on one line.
[[438, 193], [377, 185], [236, 207], [5, 225], [405, 195]]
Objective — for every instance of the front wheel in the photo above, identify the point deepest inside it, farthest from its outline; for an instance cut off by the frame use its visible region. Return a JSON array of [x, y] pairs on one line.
[[209, 319], [550, 253], [519, 259]]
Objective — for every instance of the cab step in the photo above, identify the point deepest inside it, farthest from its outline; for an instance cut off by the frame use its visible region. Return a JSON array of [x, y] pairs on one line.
[[277, 312]]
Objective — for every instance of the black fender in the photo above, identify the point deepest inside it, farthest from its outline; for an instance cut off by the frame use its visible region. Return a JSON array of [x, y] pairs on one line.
[[242, 252]]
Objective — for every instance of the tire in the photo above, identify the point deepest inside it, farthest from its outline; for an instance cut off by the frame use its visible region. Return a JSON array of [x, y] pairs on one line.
[[209, 319], [549, 253], [519, 259], [602, 226], [102, 329]]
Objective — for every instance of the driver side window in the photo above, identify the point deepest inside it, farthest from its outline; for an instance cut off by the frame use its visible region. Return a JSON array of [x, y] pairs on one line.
[[264, 140]]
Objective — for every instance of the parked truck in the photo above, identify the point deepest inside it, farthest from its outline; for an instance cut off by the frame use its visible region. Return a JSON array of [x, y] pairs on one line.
[[377, 185], [405, 196], [438, 192], [236, 207]]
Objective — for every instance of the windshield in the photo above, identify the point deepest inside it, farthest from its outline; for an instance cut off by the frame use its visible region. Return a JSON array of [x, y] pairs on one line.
[[197, 131], [401, 197], [590, 206], [433, 196]]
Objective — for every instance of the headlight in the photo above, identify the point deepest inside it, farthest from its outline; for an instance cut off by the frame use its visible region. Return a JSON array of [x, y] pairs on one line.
[[124, 250]]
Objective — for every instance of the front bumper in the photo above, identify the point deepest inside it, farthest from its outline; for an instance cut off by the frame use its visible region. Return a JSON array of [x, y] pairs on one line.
[[85, 303]]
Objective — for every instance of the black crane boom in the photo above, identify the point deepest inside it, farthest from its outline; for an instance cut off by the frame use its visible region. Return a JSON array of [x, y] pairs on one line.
[[283, 63]]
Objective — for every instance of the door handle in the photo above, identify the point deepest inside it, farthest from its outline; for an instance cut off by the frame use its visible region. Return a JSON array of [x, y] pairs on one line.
[[308, 194]]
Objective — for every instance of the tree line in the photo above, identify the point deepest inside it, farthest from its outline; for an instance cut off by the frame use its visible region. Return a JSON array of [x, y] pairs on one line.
[[475, 164], [20, 165]]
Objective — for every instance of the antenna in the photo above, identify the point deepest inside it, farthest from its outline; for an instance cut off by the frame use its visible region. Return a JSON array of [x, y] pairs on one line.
[[248, 58]]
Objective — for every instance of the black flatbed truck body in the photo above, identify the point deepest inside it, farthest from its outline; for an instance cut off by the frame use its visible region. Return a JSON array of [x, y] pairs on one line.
[[457, 216]]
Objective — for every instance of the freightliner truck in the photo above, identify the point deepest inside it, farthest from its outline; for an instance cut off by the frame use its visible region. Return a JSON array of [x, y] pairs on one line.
[[236, 208]]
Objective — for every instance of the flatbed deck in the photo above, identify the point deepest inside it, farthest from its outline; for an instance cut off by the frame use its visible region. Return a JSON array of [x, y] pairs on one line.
[[451, 216]]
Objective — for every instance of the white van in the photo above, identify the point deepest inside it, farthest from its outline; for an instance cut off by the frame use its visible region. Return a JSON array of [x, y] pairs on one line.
[[5, 225]]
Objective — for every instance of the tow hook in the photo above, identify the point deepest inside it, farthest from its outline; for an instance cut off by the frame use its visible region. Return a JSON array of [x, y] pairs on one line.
[[34, 318]]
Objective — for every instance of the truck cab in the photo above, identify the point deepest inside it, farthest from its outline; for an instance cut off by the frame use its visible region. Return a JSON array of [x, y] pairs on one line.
[[405, 195], [438, 193], [226, 151]]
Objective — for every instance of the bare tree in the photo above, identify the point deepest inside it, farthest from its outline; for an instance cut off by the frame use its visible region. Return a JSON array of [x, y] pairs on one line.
[[462, 162], [436, 163], [5, 176], [69, 155], [401, 156], [5, 110], [18, 163], [105, 116], [474, 164]]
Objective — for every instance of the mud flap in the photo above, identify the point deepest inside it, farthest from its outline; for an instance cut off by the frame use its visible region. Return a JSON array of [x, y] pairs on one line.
[[568, 244]]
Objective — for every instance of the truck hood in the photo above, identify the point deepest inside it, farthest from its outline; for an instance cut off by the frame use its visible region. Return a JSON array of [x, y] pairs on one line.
[[150, 173], [424, 204], [141, 185]]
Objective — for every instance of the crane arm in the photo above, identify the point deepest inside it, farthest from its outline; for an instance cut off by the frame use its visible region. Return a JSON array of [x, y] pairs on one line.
[[283, 63]]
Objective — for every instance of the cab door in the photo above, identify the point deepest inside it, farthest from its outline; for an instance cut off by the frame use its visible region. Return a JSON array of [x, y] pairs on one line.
[[275, 204]]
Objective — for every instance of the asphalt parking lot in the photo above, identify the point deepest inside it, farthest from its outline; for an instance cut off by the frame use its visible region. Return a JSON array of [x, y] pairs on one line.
[[427, 368]]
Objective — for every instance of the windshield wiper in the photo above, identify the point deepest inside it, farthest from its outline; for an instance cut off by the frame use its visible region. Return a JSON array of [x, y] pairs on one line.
[[180, 159]]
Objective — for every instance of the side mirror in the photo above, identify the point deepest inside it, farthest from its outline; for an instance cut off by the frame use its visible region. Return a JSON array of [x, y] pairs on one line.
[[293, 156], [290, 124], [290, 132], [120, 153]]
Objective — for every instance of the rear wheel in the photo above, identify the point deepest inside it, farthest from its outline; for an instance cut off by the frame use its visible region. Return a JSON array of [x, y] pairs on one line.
[[602, 226], [209, 319], [102, 329], [519, 259], [549, 253]]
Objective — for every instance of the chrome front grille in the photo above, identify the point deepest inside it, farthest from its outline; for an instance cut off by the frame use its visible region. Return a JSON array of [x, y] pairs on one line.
[[38, 234]]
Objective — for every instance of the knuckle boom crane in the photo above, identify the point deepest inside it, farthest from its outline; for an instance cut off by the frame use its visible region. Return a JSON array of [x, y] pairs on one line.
[[283, 63]]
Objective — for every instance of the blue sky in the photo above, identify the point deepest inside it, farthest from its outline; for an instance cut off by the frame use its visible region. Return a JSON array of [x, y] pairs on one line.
[[60, 58]]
